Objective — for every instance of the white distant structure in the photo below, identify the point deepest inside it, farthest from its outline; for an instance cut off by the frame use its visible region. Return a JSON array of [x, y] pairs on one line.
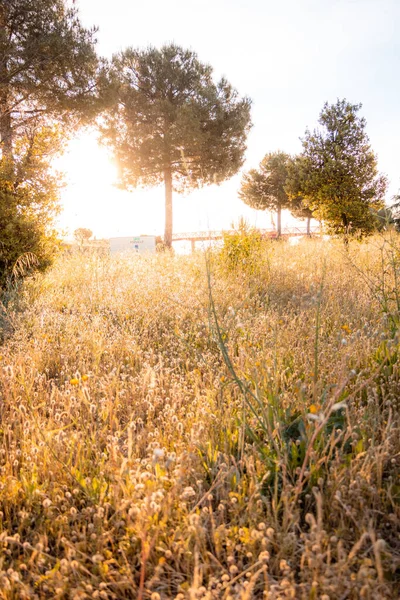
[[142, 244]]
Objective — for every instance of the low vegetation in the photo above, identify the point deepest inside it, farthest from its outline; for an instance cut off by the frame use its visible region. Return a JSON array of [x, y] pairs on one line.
[[221, 425]]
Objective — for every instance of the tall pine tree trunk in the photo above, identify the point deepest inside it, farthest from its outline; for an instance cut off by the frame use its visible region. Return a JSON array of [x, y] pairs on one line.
[[308, 226], [168, 207], [279, 221]]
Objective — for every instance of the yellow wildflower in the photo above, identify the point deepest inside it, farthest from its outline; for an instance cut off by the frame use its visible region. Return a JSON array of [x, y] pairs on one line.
[[85, 377], [313, 409], [74, 381]]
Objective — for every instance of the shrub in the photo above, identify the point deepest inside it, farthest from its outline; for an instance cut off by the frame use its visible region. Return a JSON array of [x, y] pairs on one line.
[[243, 249], [25, 245]]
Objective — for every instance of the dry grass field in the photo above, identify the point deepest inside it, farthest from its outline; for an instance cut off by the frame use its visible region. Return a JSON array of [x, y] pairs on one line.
[[215, 426]]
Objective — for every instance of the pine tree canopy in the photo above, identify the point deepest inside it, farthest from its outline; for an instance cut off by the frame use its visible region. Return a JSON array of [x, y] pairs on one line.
[[264, 188], [338, 175], [171, 123], [48, 65]]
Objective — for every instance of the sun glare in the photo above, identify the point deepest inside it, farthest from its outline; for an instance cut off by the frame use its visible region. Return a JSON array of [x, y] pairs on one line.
[[91, 199]]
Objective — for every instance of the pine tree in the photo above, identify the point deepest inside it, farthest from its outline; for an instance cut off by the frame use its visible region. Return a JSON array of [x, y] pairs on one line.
[[82, 235], [264, 189], [48, 66], [172, 124], [339, 179]]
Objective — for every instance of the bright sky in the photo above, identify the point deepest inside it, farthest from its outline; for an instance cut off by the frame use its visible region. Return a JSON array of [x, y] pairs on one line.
[[289, 56]]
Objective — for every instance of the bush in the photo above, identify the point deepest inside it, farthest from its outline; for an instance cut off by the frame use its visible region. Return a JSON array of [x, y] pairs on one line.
[[25, 243], [243, 250]]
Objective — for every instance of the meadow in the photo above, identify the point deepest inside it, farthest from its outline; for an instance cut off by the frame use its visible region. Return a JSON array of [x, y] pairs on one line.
[[223, 425]]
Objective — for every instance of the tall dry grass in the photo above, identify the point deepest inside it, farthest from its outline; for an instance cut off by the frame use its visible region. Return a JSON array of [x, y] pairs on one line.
[[201, 427]]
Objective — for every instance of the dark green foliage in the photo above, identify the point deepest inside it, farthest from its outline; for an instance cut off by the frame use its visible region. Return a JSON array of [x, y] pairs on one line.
[[28, 204], [296, 437], [337, 174], [264, 189], [26, 244], [170, 123], [48, 68]]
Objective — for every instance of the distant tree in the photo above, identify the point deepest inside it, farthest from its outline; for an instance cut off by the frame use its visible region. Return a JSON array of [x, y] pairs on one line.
[[339, 179], [171, 123], [82, 235], [264, 188]]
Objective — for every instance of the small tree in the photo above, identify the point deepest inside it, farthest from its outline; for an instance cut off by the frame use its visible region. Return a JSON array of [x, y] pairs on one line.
[[264, 189], [171, 123], [82, 235], [339, 177]]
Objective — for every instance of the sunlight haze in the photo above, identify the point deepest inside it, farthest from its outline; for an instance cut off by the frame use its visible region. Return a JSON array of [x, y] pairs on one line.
[[289, 57]]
